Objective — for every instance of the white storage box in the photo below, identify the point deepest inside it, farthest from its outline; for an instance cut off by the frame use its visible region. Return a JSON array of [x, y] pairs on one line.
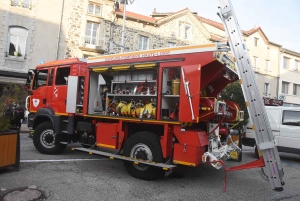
[[121, 77]]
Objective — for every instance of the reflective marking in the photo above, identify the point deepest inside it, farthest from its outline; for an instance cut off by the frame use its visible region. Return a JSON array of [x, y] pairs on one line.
[[61, 160]]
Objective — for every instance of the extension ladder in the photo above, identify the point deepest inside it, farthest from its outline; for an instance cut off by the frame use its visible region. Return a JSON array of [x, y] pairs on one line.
[[263, 133]]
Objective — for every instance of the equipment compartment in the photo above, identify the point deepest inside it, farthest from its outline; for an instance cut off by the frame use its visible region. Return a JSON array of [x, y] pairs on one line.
[[187, 154], [126, 93], [107, 135]]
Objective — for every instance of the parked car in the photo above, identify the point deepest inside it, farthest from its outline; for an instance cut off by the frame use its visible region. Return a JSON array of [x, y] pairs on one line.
[[285, 124]]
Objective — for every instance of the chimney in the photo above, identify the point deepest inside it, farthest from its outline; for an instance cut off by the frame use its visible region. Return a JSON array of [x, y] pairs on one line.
[[154, 11]]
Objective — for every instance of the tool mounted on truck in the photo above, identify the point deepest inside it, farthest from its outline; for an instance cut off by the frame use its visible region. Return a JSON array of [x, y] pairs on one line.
[[154, 109]]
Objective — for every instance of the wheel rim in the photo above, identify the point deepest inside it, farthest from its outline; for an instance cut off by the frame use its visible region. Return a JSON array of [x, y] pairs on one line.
[[141, 151], [47, 138]]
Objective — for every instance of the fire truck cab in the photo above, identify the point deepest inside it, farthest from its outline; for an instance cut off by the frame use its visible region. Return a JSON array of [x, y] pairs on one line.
[[154, 109]]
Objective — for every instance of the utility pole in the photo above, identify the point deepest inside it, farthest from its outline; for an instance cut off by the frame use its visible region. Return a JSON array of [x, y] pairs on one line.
[[111, 42], [123, 28]]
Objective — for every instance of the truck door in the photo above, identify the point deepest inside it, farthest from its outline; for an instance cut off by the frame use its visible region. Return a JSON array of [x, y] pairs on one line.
[[59, 94], [290, 129], [39, 88], [189, 93]]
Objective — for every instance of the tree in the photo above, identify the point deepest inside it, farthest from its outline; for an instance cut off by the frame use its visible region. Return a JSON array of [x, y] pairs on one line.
[[11, 95], [234, 93]]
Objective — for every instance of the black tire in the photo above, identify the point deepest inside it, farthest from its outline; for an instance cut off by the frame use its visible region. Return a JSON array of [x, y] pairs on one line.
[[241, 146], [146, 142], [256, 152], [44, 139]]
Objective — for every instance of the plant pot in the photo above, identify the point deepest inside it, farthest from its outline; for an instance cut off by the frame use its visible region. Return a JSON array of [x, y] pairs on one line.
[[10, 149]]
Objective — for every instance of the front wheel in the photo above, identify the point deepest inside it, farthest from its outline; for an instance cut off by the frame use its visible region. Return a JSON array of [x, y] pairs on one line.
[[44, 139], [145, 146]]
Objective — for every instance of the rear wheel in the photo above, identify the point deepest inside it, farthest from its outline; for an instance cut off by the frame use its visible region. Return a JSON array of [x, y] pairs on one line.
[[44, 139], [145, 146]]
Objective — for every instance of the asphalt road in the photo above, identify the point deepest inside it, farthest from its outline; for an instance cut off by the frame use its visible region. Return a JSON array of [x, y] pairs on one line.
[[75, 175]]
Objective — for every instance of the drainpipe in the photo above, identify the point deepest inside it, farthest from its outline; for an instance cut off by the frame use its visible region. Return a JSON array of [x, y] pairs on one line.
[[279, 68], [59, 29]]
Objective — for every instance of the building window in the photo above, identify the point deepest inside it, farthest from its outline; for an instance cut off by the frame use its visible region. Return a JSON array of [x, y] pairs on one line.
[[143, 43], [285, 88], [268, 51], [17, 41], [85, 56], [267, 90], [268, 67], [21, 3], [92, 33], [255, 42], [185, 31], [255, 63], [170, 44], [296, 88], [286, 62], [297, 65], [94, 9]]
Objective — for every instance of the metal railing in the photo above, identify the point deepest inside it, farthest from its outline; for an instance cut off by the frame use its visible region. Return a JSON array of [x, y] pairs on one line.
[[91, 41], [21, 3]]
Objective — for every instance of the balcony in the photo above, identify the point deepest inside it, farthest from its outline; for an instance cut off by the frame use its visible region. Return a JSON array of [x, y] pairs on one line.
[[21, 3], [92, 44]]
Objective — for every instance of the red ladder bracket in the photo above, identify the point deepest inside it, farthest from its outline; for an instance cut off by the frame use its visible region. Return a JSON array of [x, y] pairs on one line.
[[254, 164]]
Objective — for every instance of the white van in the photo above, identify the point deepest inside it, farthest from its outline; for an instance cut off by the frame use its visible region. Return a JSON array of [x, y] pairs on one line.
[[285, 124]]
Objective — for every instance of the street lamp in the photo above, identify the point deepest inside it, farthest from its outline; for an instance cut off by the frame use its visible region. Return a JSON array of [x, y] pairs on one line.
[[125, 2]]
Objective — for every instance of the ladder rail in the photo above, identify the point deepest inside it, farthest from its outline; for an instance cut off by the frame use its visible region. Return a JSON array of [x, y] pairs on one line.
[[263, 133]]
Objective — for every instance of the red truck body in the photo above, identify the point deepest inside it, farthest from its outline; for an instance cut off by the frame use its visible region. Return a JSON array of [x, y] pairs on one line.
[[158, 106]]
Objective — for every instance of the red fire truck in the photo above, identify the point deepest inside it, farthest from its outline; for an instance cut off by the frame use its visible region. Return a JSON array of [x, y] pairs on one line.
[[153, 109]]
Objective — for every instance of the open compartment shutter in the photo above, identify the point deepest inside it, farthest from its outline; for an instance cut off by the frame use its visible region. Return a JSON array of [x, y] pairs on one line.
[[189, 84]]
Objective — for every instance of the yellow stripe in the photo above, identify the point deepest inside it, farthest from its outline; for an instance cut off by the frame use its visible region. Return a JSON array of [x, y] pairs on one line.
[[106, 145], [104, 68], [62, 114], [138, 120], [184, 163], [151, 51]]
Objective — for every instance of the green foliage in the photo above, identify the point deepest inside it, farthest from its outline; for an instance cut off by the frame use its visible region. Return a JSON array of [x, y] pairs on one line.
[[233, 92], [10, 95]]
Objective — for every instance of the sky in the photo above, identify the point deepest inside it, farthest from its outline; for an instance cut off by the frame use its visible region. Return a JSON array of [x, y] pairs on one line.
[[279, 20]]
